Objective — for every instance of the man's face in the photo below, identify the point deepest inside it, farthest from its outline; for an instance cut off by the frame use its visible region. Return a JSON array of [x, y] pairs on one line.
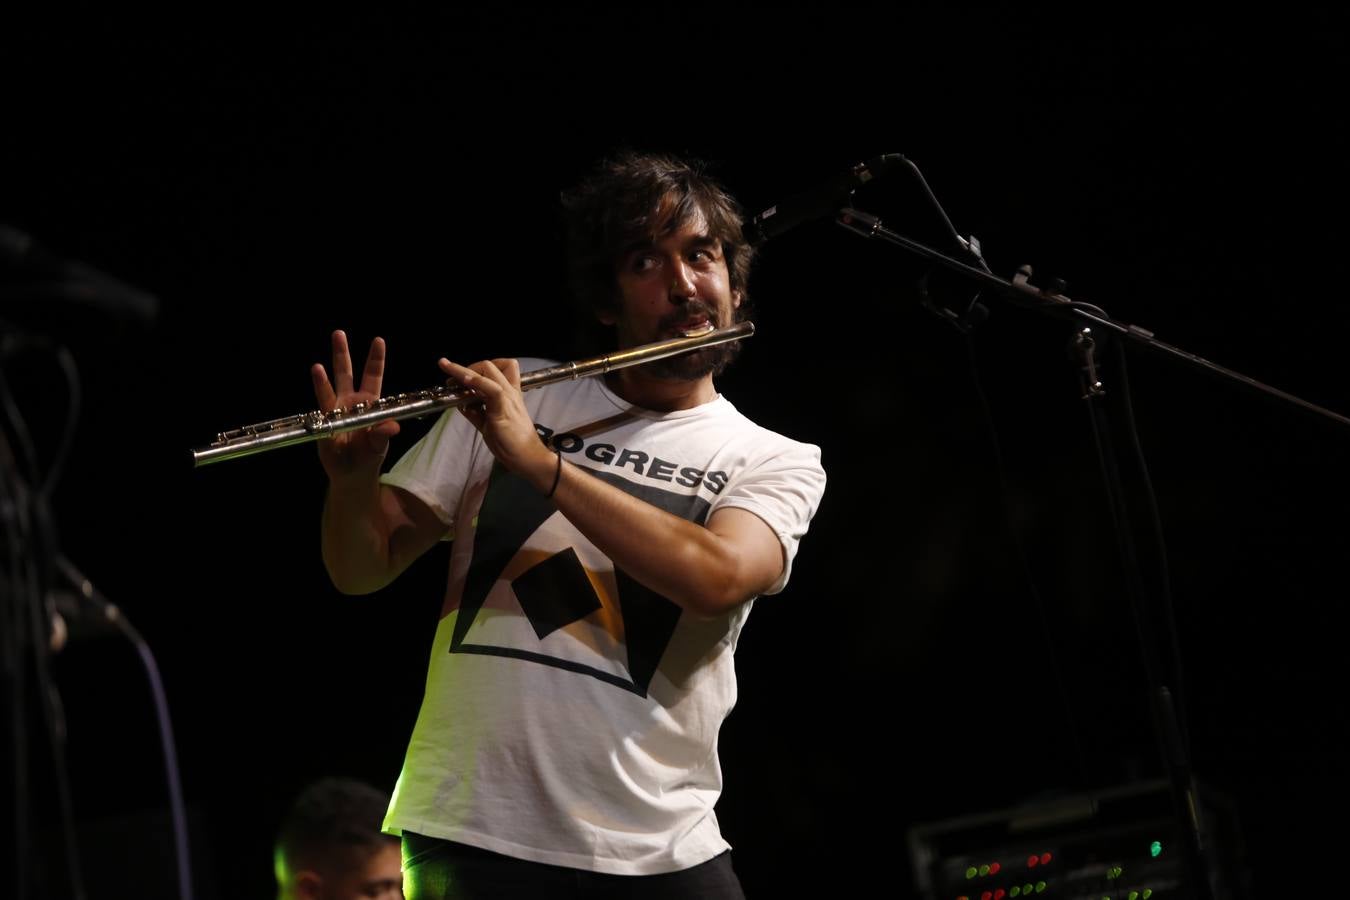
[[379, 877], [676, 286]]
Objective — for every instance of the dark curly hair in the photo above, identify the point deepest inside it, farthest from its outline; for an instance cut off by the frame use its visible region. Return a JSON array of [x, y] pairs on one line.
[[333, 823], [638, 197]]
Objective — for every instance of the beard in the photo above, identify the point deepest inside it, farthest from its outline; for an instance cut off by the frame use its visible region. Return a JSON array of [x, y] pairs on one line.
[[697, 363]]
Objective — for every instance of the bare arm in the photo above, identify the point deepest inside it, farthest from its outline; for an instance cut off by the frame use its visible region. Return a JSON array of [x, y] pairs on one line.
[[371, 532], [706, 570]]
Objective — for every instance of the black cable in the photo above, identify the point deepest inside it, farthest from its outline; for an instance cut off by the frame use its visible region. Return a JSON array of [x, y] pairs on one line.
[[16, 421], [1173, 664], [36, 543], [72, 373], [174, 780], [49, 700], [1168, 712], [942, 213], [66, 361], [111, 613], [1116, 509], [16, 664], [1168, 730], [1164, 572]]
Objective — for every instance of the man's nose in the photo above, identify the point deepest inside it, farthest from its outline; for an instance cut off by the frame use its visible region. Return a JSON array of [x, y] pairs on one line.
[[682, 286]]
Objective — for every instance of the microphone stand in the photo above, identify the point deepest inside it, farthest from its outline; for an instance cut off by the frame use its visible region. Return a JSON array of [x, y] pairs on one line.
[[88, 603], [38, 617], [1021, 291], [1168, 720]]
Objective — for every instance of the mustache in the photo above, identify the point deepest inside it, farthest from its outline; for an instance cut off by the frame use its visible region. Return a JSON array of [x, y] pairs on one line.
[[694, 309]]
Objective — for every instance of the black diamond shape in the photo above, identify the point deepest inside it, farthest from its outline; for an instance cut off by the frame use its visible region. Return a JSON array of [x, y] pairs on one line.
[[556, 593]]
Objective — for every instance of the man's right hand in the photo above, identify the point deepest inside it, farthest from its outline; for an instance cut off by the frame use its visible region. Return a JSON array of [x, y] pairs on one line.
[[352, 452]]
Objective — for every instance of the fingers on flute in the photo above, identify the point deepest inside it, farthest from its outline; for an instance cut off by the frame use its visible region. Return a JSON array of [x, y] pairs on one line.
[[342, 364], [491, 379], [473, 381], [510, 370], [372, 378], [454, 370], [323, 390], [495, 377], [476, 376]]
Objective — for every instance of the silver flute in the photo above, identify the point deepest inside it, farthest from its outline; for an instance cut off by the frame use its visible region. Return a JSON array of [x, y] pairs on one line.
[[317, 425]]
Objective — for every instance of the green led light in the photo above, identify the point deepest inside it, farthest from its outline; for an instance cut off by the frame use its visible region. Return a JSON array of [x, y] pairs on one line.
[[1040, 887], [1134, 895], [1026, 888], [1148, 892], [984, 870], [1155, 848], [1015, 892], [972, 872]]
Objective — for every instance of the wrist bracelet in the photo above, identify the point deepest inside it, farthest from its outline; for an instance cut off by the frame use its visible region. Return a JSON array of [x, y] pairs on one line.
[[557, 475]]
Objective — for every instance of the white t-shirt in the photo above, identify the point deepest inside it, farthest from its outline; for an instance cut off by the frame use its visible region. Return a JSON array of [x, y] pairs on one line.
[[571, 714]]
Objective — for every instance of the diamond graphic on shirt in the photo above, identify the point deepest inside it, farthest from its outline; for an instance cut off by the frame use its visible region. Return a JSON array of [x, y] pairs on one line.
[[557, 591]]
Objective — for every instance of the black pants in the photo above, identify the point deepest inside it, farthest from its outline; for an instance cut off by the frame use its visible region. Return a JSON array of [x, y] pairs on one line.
[[443, 870]]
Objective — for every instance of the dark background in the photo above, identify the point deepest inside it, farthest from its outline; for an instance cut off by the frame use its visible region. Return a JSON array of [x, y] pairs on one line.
[[271, 180]]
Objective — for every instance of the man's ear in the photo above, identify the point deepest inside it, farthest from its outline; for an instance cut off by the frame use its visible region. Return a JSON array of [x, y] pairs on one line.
[[735, 299], [308, 885]]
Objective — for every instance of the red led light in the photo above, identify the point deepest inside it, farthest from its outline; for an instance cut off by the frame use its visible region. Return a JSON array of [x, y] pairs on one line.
[[993, 868], [1045, 858], [987, 895], [1032, 861], [1000, 894]]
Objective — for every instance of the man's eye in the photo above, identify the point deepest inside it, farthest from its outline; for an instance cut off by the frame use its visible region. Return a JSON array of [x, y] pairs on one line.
[[644, 263]]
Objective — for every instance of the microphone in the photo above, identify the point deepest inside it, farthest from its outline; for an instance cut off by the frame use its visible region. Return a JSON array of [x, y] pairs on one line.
[[81, 611], [33, 278], [823, 200]]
